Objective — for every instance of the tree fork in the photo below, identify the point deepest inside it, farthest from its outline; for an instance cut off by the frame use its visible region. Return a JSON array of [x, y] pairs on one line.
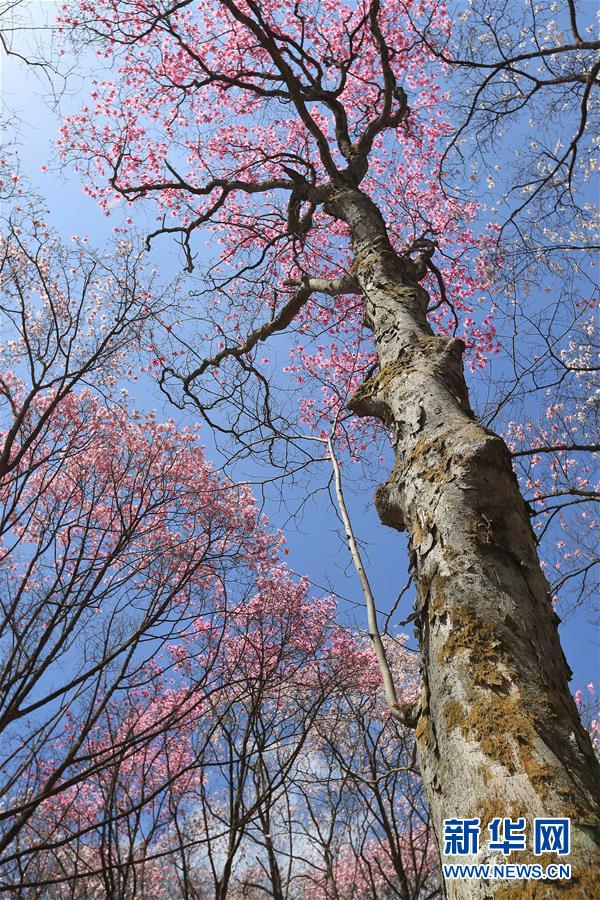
[[495, 694]]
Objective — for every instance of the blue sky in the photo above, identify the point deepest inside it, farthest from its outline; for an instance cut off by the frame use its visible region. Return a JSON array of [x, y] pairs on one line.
[[315, 546]]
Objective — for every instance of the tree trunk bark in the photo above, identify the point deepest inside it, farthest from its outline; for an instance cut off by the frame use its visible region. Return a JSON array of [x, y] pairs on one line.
[[498, 732]]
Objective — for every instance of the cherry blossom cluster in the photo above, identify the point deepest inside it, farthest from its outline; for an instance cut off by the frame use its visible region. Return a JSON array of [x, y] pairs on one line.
[[195, 119]]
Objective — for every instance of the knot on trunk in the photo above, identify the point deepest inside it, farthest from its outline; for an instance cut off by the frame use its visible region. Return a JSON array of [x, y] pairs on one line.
[[387, 504], [369, 400]]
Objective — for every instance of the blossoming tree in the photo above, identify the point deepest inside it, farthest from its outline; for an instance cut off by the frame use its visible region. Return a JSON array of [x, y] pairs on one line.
[[306, 139], [154, 649]]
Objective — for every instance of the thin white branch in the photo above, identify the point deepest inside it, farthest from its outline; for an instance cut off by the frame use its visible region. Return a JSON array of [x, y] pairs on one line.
[[374, 633]]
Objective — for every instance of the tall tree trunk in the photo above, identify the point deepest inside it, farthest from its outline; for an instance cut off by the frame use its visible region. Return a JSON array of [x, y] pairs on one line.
[[498, 732]]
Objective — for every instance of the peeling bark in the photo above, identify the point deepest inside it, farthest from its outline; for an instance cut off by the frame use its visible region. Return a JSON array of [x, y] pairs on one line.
[[498, 732]]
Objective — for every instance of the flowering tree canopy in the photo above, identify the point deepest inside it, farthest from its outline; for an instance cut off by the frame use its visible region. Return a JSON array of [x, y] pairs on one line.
[[143, 595], [239, 120]]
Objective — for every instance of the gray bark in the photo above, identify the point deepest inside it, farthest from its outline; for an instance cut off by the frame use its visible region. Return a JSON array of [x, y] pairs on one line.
[[498, 732]]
